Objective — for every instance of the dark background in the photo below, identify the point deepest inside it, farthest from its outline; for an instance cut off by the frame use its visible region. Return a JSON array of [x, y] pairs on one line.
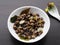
[[7, 6]]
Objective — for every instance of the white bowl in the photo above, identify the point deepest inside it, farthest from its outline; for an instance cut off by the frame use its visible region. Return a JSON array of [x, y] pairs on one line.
[[34, 10]]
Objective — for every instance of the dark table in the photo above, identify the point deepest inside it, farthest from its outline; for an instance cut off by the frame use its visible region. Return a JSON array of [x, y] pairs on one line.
[[7, 6]]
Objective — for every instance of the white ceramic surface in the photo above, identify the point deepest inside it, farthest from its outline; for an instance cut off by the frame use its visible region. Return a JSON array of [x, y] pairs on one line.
[[33, 10], [54, 12]]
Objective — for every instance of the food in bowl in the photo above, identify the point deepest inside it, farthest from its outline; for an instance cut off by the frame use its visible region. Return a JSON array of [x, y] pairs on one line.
[[28, 25]]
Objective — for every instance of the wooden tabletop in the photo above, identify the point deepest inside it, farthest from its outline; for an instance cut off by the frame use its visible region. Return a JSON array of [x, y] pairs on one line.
[[7, 6]]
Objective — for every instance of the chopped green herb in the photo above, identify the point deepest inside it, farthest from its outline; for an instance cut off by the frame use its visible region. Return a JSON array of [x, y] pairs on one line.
[[50, 5], [13, 19], [21, 37], [25, 11], [50, 8]]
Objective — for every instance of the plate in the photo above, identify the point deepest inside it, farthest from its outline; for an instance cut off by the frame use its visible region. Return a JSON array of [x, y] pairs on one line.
[[33, 10]]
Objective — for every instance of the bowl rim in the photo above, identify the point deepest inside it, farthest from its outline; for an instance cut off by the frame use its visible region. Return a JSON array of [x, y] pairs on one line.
[[25, 7]]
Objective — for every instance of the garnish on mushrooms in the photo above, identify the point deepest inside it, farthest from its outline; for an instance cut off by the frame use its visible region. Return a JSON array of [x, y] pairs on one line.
[[13, 19], [25, 11]]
